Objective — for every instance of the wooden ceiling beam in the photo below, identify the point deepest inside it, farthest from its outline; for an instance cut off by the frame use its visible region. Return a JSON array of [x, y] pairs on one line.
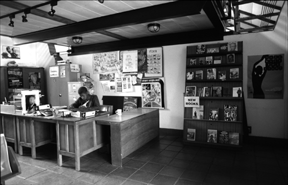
[[257, 29], [153, 41], [215, 19], [261, 17], [250, 24], [143, 15]]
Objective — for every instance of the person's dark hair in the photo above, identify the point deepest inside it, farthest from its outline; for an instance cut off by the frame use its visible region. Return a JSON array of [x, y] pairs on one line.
[[82, 90]]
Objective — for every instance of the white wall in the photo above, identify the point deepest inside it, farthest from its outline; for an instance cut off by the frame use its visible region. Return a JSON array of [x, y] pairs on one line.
[[28, 54], [268, 118]]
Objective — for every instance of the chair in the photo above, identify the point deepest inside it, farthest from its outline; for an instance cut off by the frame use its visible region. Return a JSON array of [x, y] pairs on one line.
[[15, 167]]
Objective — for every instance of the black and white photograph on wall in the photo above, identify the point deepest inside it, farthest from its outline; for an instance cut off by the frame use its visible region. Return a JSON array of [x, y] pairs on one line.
[[266, 76], [34, 79], [232, 46], [10, 52], [200, 49]]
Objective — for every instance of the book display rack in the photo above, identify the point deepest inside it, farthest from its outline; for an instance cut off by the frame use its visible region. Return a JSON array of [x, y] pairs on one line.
[[214, 73]]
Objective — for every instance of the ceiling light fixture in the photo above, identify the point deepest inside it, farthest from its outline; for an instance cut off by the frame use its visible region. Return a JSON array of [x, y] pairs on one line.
[[24, 17], [153, 27], [52, 12], [11, 24], [101, 1], [77, 40]]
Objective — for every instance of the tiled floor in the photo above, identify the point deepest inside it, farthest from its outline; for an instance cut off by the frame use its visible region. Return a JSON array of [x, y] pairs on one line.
[[164, 161]]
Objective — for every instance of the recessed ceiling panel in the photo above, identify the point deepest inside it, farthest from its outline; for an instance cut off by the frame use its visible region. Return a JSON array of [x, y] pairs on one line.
[[176, 25]]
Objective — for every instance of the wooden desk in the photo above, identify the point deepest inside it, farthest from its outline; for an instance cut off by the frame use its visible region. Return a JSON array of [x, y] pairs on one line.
[[76, 137], [130, 131]]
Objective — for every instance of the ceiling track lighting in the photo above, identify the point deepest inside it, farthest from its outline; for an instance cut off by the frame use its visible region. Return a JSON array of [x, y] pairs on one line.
[[101, 1], [153, 27], [52, 12], [11, 24], [24, 17]]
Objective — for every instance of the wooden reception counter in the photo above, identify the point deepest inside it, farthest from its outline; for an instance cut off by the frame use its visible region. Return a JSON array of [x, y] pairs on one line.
[[130, 131], [77, 137]]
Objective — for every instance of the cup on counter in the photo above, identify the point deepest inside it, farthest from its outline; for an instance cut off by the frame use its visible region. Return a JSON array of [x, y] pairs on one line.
[[118, 112]]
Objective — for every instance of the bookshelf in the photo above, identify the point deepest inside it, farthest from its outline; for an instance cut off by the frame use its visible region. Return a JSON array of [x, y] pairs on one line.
[[214, 72]]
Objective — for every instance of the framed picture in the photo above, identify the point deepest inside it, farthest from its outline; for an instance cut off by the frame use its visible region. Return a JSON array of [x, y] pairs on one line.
[[29, 99], [232, 46], [10, 52]]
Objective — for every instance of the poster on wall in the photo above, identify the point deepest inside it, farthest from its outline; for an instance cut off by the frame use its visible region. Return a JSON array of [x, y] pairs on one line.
[[130, 61], [107, 77], [127, 84], [152, 93], [34, 79], [105, 62], [265, 76], [136, 79], [75, 68], [142, 61], [10, 52], [154, 62], [54, 71], [15, 77]]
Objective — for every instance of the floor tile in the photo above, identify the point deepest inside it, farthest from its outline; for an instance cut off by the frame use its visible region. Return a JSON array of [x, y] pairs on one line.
[[177, 143], [241, 182], [187, 182], [28, 170], [106, 168], [163, 180], [132, 182], [48, 178], [223, 161], [152, 167], [166, 142], [203, 159], [161, 160], [124, 172], [92, 176], [142, 176], [20, 181], [195, 166], [110, 180], [167, 153], [134, 164], [79, 182], [220, 168], [194, 175], [172, 171], [174, 148], [185, 156], [217, 178], [179, 163]]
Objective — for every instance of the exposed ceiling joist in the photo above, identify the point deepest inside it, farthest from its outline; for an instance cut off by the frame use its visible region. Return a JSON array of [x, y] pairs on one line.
[[261, 17], [250, 24], [256, 29], [215, 19], [268, 5], [237, 3], [153, 41], [143, 15]]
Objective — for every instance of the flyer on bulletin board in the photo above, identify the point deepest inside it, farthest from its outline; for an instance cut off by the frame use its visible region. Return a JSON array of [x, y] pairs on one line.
[[54, 71], [130, 61]]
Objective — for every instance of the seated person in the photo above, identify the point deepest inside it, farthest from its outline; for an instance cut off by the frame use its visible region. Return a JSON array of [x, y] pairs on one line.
[[85, 99], [31, 105]]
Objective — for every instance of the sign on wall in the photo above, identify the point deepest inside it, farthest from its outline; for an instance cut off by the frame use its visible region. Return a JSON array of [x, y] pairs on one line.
[[105, 62], [265, 76], [10, 52], [152, 93]]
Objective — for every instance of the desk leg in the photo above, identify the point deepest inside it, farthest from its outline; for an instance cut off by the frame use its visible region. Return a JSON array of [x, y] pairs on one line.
[[18, 136], [33, 142], [77, 148], [116, 153], [15, 136], [59, 156]]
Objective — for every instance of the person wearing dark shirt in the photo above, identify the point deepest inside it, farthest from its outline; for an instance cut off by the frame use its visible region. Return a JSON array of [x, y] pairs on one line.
[[31, 106], [85, 100]]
